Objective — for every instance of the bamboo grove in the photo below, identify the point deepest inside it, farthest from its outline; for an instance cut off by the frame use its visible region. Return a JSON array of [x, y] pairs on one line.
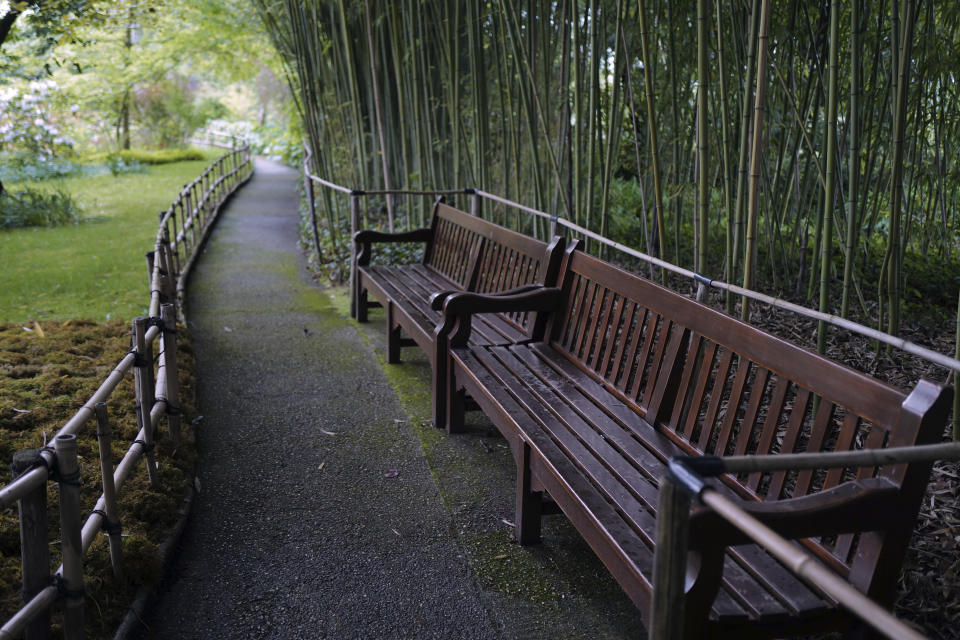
[[804, 147]]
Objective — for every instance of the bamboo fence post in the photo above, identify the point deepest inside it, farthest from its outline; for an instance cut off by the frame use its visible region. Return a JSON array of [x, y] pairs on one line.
[[169, 316], [308, 184], [169, 275], [475, 204], [143, 387], [188, 212], [112, 517], [71, 543], [151, 256], [34, 546], [174, 244], [354, 280], [670, 562]]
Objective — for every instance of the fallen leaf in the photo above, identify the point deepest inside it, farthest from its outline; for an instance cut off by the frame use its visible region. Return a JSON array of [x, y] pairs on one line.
[[227, 329], [39, 329], [329, 433], [393, 473], [502, 556], [320, 468]]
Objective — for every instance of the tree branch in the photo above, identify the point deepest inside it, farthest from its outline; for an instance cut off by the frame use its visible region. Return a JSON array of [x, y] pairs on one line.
[[6, 23]]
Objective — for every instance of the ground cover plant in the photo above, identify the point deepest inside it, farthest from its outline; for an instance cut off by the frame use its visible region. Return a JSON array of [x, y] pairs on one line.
[[95, 269], [47, 371], [35, 208]]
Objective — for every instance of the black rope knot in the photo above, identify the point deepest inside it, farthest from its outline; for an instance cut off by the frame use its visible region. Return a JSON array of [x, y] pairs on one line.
[[139, 359], [69, 479], [702, 279], [70, 594], [108, 527], [147, 447], [53, 470]]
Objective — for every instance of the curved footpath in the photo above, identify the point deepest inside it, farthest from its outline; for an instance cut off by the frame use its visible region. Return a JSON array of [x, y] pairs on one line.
[[303, 528]]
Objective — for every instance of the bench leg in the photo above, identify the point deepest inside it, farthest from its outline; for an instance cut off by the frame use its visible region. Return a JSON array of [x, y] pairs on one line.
[[361, 305], [441, 384], [393, 337], [529, 503]]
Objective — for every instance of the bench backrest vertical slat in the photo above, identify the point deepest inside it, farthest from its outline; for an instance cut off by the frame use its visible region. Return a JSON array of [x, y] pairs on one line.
[[478, 255], [733, 389]]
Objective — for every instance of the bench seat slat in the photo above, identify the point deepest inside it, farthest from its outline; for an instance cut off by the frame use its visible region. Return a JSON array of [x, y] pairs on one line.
[[491, 328], [408, 285], [607, 454], [516, 423]]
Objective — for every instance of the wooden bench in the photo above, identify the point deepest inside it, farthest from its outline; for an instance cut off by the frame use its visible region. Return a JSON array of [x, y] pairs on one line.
[[461, 253], [627, 374]]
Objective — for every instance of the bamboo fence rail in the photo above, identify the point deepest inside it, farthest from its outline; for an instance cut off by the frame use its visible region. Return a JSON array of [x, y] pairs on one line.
[[182, 230], [214, 138], [556, 222]]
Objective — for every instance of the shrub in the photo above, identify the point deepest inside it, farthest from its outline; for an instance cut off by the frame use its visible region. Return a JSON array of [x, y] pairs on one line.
[[34, 208], [119, 166], [163, 156]]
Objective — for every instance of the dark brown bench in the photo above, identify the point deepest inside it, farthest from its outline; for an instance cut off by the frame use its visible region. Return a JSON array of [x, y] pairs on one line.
[[627, 374], [462, 252]]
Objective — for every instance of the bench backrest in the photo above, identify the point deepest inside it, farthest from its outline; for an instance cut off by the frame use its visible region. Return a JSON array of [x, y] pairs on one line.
[[715, 385], [484, 257]]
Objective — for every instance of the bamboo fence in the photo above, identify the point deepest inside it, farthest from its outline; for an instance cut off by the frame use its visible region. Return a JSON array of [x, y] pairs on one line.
[[558, 224], [182, 230]]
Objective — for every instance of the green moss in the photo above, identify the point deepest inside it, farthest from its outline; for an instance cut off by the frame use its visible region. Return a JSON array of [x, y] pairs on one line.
[[505, 567]]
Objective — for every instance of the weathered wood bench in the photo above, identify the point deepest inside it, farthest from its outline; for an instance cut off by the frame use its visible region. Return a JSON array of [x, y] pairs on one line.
[[627, 374], [462, 252]]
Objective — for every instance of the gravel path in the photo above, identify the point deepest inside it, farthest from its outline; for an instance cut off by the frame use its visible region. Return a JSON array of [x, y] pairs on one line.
[[318, 516]]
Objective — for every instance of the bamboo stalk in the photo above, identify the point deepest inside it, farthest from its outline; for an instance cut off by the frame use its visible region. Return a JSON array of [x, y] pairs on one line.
[[652, 132], [143, 389], [830, 124], [71, 544], [703, 174], [670, 562], [753, 204], [104, 437], [379, 114], [842, 459], [171, 372], [34, 545]]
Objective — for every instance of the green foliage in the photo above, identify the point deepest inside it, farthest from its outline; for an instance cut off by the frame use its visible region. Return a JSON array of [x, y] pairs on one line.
[[34, 208], [118, 166], [162, 156], [169, 111]]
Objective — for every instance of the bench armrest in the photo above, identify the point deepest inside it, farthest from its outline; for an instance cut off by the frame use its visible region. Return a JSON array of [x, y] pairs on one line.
[[872, 504], [459, 307], [439, 298], [364, 238]]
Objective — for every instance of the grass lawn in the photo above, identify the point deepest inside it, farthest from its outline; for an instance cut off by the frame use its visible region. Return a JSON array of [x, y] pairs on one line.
[[95, 269]]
